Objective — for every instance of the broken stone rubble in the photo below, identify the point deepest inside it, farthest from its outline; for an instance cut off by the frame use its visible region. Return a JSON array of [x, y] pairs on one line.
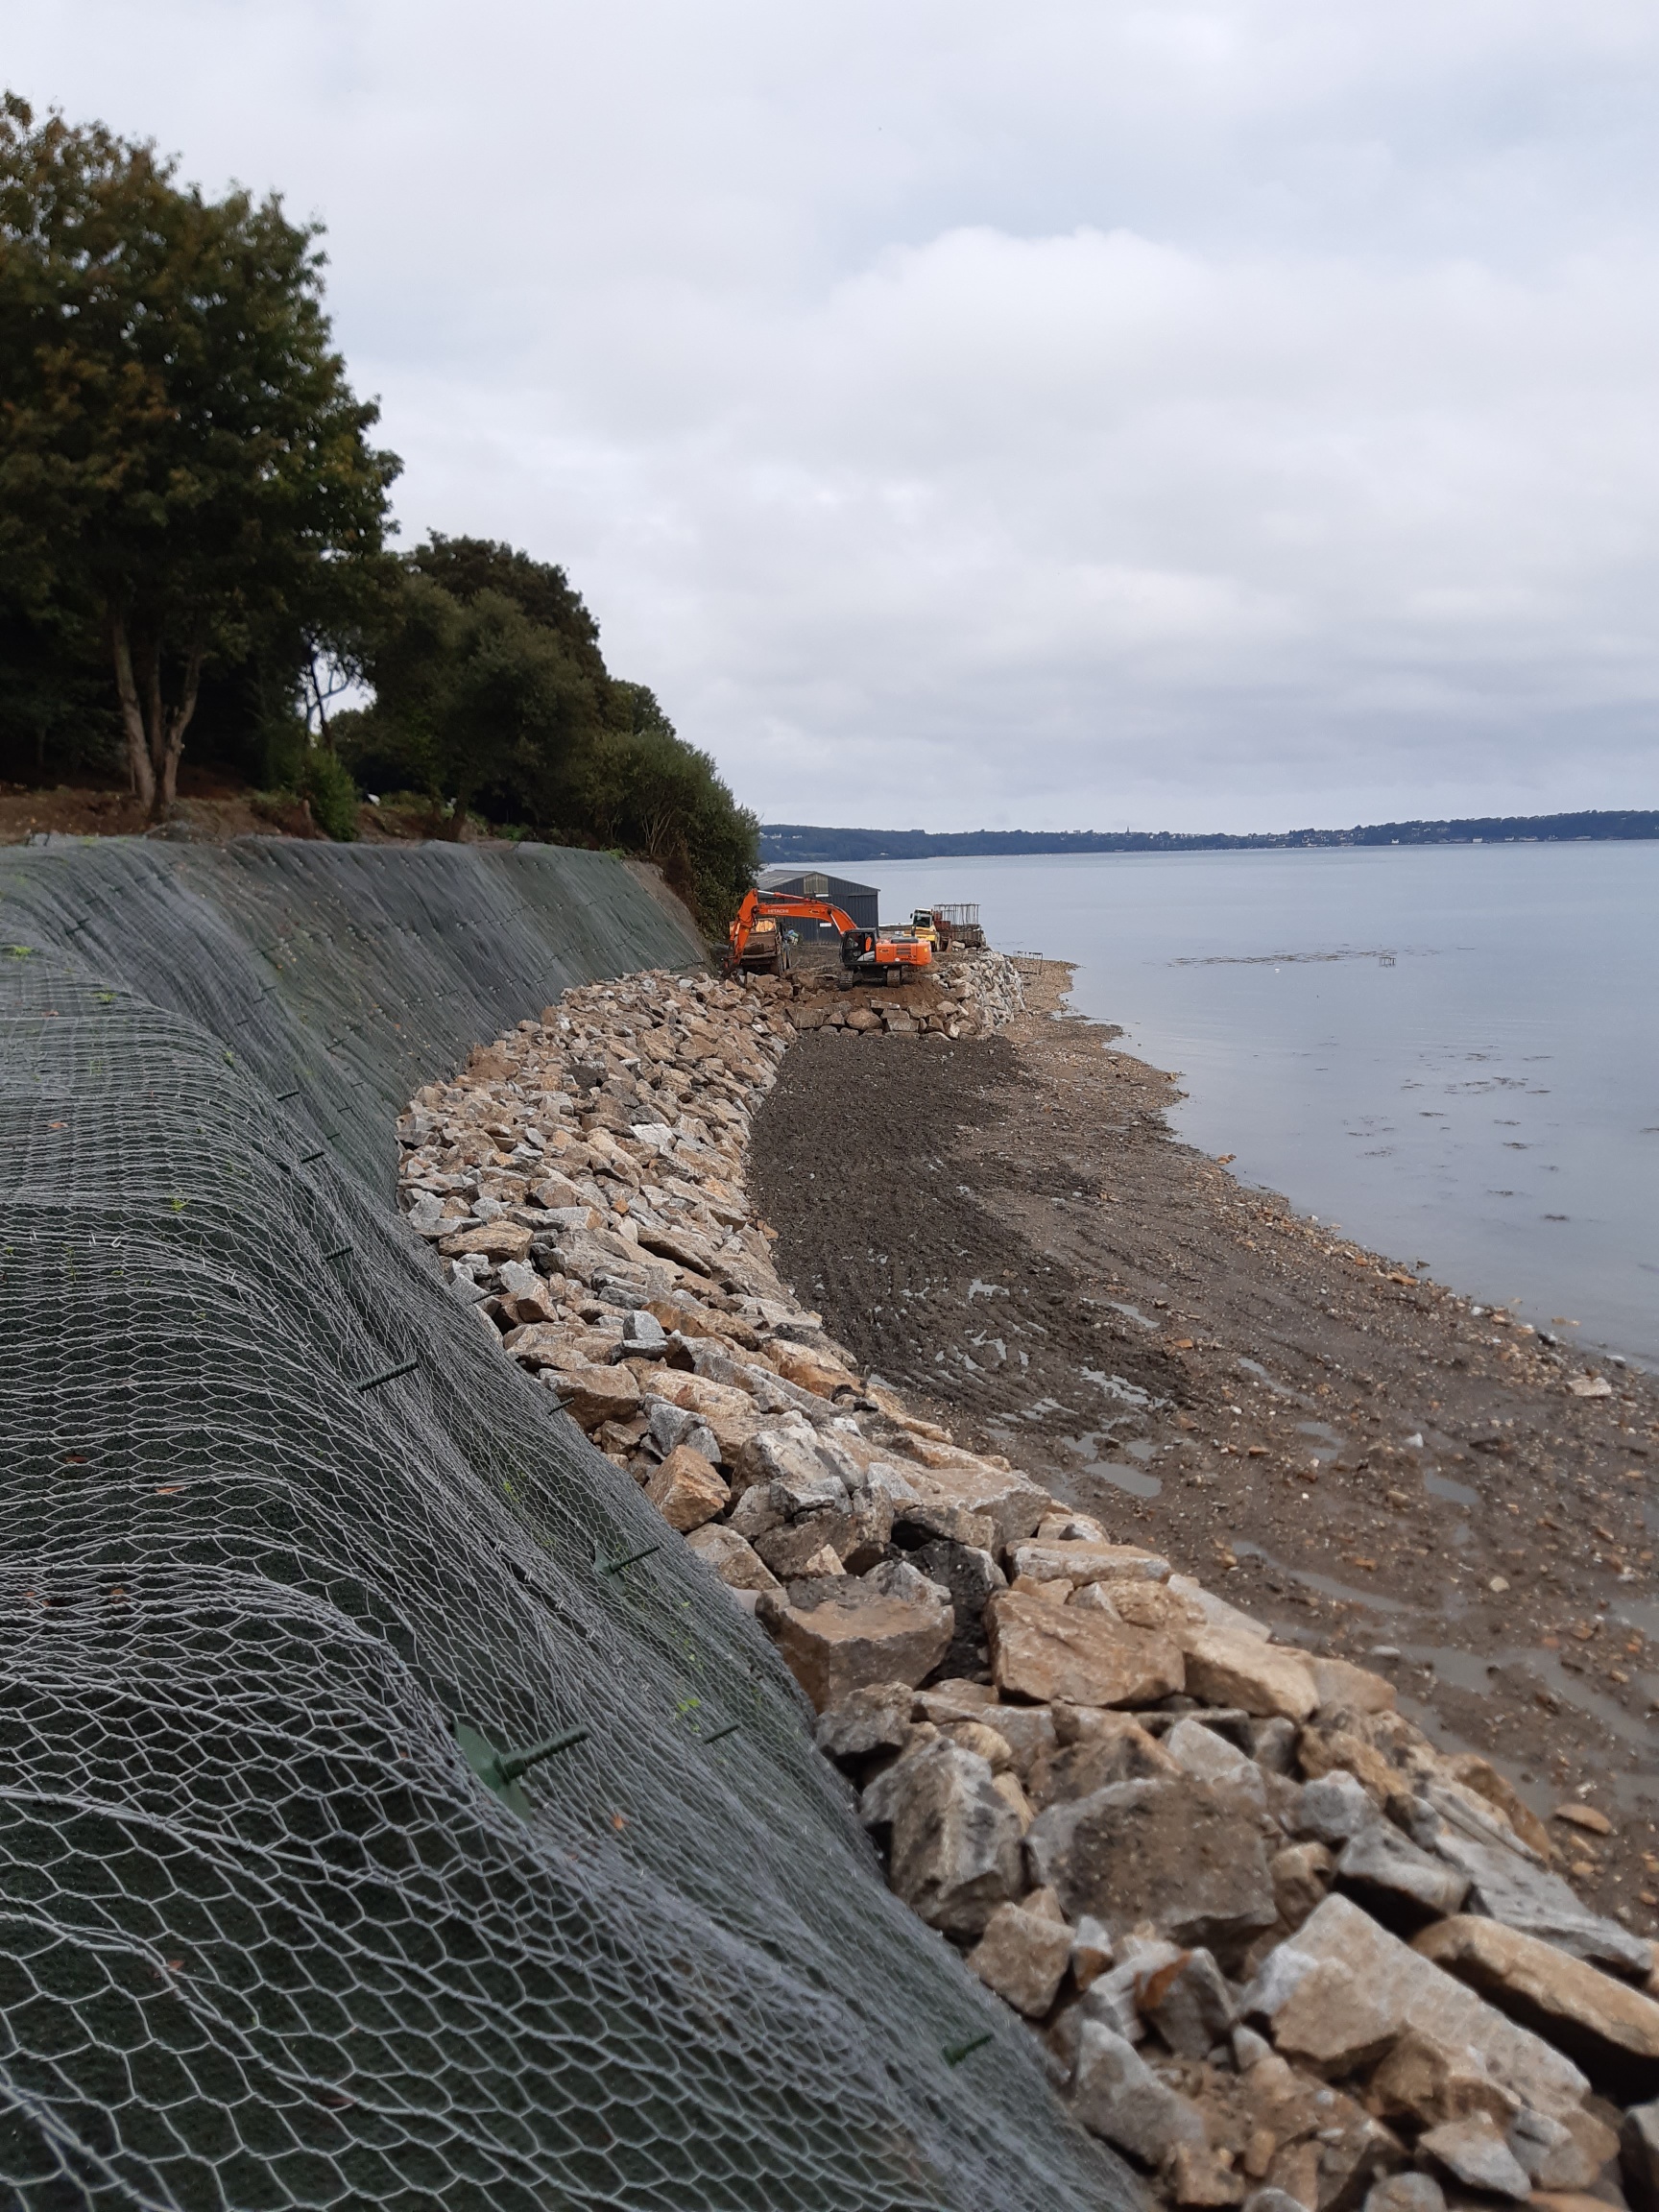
[[1142, 1820]]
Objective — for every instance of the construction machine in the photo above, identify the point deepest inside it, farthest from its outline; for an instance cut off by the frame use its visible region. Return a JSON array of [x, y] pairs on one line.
[[756, 940]]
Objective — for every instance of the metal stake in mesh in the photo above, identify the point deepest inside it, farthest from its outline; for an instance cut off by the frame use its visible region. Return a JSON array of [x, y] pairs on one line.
[[631, 1559], [955, 2052], [387, 1375], [500, 1771]]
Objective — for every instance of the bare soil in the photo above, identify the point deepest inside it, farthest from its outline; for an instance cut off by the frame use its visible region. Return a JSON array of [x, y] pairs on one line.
[[1005, 1226], [212, 807]]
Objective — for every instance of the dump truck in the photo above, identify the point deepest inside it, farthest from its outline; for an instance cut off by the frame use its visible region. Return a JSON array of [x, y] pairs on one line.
[[756, 940]]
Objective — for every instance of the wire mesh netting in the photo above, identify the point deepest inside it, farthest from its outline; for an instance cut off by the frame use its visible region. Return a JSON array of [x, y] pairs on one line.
[[278, 1517]]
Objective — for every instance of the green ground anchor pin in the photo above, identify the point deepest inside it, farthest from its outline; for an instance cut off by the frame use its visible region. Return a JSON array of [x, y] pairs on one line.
[[294, 1093], [500, 1770], [387, 1375], [955, 2053], [307, 1158], [731, 1729], [339, 1251], [615, 1566]]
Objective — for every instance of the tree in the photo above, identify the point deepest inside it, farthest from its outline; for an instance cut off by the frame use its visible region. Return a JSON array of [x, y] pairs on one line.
[[491, 693], [475, 705], [643, 789], [182, 462]]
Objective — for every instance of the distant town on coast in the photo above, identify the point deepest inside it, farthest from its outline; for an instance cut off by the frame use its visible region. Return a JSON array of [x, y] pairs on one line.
[[790, 841]]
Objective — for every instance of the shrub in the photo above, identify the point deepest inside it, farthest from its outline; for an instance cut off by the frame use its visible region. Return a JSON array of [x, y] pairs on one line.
[[325, 782]]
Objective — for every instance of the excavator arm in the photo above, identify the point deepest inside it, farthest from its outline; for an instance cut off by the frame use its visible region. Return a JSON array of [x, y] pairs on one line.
[[760, 905]]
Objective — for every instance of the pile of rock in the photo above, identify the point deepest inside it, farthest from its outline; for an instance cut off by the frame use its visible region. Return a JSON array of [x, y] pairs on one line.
[[1277, 1946]]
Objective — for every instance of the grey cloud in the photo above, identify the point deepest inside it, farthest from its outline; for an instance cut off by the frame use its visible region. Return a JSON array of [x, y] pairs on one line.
[[1215, 415]]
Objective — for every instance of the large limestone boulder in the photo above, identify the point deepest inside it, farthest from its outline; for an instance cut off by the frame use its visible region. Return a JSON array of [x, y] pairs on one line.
[[1226, 1667], [1024, 1955], [1379, 1986], [736, 1562], [955, 1853], [1426, 2083], [1473, 2151], [1041, 1652], [951, 1482], [499, 1240], [839, 1634], [1639, 2157], [729, 1412], [1184, 1856], [870, 1722], [594, 1395], [1400, 1885], [1344, 1687], [1116, 2095], [1104, 1747], [686, 1490], [810, 1369], [1610, 2029], [1079, 1563], [1509, 1887]]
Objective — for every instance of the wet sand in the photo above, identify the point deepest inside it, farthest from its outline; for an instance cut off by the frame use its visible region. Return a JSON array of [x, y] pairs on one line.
[[1347, 1449]]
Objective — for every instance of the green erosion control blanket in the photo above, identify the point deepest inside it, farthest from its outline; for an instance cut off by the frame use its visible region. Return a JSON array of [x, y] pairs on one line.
[[265, 1939]]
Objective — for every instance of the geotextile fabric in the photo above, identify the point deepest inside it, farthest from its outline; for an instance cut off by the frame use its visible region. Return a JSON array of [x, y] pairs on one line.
[[277, 1515]]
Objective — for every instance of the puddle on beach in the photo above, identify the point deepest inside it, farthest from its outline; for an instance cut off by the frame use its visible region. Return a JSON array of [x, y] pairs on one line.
[[1454, 1493], [1641, 1613], [1466, 1670], [1324, 1584], [1134, 1479], [1269, 1382]]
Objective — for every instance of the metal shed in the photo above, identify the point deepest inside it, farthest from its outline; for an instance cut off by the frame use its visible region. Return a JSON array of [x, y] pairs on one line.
[[859, 899]]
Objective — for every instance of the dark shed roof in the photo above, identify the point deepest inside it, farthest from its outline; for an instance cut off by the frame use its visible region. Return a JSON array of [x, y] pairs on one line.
[[861, 900]]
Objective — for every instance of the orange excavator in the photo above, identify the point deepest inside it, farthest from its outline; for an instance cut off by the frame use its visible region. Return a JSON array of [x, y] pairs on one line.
[[756, 940]]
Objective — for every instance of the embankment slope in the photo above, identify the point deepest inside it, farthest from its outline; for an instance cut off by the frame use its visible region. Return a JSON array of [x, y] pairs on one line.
[[277, 1515]]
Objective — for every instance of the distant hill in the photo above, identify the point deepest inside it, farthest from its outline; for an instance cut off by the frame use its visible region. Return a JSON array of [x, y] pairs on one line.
[[799, 841]]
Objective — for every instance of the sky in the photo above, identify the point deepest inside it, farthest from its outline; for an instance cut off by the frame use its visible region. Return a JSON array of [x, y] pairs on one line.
[[1077, 415]]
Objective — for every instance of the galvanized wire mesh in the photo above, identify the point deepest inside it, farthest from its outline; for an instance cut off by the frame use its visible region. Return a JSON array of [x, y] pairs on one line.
[[265, 1939]]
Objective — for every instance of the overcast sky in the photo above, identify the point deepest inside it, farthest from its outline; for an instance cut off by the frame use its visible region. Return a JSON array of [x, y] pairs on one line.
[[1063, 414]]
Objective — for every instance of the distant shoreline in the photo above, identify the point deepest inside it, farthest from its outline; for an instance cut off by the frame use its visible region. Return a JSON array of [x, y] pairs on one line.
[[785, 843]]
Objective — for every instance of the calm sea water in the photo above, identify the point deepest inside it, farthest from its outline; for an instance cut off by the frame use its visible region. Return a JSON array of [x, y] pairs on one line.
[[1451, 1051]]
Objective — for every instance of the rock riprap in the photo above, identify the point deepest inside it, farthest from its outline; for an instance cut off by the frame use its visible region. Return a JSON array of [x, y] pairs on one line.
[[1280, 1949]]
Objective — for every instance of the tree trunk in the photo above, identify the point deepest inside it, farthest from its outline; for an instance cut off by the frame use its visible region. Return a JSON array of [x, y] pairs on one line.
[[140, 774], [171, 724]]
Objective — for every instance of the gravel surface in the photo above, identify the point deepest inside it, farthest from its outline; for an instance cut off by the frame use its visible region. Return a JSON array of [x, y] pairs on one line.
[[1347, 1449]]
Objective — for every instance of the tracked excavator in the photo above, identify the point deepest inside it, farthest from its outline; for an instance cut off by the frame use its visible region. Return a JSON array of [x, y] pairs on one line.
[[756, 941]]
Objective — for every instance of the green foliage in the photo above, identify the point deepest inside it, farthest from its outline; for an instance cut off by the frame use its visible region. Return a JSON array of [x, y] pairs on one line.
[[54, 699], [491, 696], [475, 704], [325, 784], [643, 790], [183, 469]]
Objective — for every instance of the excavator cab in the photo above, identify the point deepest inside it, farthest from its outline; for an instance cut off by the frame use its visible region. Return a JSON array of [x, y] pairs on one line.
[[883, 956]]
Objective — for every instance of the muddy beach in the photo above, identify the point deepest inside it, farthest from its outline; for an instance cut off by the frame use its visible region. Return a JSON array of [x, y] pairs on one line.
[[1359, 1455]]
